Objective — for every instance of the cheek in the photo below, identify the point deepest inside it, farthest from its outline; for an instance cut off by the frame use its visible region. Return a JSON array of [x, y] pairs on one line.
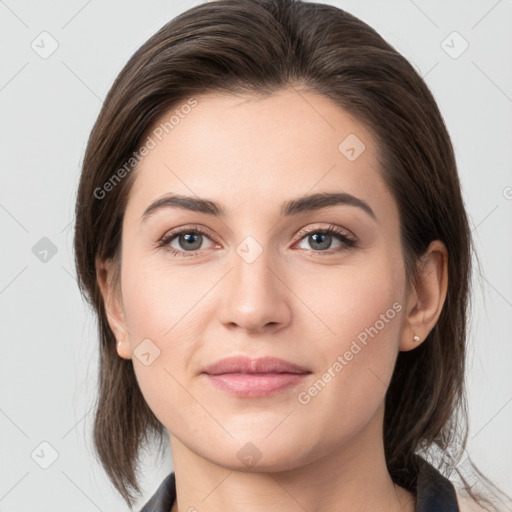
[[368, 309], [158, 300], [361, 314], [352, 303], [166, 307]]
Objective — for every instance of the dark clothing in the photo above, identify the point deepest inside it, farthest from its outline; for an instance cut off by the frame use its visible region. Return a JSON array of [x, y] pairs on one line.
[[434, 492]]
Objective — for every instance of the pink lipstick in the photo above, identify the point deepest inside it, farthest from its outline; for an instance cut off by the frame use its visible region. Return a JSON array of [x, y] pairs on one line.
[[246, 377]]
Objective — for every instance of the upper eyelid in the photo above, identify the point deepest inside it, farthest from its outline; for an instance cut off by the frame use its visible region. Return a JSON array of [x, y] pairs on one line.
[[172, 233], [338, 229]]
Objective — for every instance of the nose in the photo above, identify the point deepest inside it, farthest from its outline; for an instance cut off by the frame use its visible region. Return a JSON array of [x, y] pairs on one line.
[[255, 295]]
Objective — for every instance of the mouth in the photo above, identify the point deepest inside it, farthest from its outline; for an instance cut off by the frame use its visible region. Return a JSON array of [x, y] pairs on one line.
[[246, 377]]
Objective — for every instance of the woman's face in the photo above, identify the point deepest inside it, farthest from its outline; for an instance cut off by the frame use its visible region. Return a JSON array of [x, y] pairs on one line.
[[257, 282]]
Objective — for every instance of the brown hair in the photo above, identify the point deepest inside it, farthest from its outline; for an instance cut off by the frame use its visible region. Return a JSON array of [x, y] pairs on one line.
[[258, 47]]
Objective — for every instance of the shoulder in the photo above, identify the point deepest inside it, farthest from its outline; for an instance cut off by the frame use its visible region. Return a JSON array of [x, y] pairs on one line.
[[467, 504]]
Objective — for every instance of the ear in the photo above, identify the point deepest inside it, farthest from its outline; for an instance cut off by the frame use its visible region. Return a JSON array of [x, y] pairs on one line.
[[425, 300], [110, 287]]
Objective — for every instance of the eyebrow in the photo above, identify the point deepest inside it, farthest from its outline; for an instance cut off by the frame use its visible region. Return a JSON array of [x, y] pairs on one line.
[[291, 207]]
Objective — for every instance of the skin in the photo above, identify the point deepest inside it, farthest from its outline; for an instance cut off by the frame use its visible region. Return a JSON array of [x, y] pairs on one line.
[[292, 302]]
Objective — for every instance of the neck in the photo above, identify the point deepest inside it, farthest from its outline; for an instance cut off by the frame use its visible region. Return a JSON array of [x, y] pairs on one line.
[[351, 477]]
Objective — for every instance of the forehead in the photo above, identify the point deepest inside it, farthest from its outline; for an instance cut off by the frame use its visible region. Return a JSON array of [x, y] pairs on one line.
[[251, 153]]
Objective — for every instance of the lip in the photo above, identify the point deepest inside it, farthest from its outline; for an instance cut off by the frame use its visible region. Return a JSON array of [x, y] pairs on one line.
[[246, 377], [244, 364]]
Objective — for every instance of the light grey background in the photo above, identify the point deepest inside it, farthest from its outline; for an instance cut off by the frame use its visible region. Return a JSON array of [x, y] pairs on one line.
[[48, 106]]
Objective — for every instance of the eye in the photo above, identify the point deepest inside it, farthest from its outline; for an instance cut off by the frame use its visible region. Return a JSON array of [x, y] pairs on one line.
[[186, 240], [321, 239]]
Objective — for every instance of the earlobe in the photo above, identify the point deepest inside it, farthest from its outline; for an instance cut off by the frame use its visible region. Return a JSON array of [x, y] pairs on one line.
[[123, 349], [426, 301], [111, 294]]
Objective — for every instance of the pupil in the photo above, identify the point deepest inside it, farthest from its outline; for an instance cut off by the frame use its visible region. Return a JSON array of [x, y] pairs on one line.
[[191, 238], [324, 244]]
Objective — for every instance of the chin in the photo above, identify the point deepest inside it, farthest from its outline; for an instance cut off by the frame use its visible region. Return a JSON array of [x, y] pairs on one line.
[[257, 454]]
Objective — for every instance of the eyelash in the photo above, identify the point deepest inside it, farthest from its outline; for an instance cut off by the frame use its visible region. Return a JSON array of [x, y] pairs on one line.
[[347, 240]]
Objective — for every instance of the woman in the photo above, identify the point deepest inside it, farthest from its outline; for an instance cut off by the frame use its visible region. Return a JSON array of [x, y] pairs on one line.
[[270, 228]]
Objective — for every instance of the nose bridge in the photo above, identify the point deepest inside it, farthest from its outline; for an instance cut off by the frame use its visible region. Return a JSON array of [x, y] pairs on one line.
[[252, 278], [255, 296]]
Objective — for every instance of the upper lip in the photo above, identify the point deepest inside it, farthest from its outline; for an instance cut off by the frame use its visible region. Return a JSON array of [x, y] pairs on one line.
[[244, 364]]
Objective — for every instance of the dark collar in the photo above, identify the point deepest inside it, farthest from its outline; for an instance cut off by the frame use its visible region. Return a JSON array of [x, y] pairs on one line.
[[434, 492]]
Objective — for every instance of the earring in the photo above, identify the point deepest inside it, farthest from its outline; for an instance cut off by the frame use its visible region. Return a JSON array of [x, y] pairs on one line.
[[416, 339], [119, 343]]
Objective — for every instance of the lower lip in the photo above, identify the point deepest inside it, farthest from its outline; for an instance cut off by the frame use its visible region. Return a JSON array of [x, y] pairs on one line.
[[254, 385]]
